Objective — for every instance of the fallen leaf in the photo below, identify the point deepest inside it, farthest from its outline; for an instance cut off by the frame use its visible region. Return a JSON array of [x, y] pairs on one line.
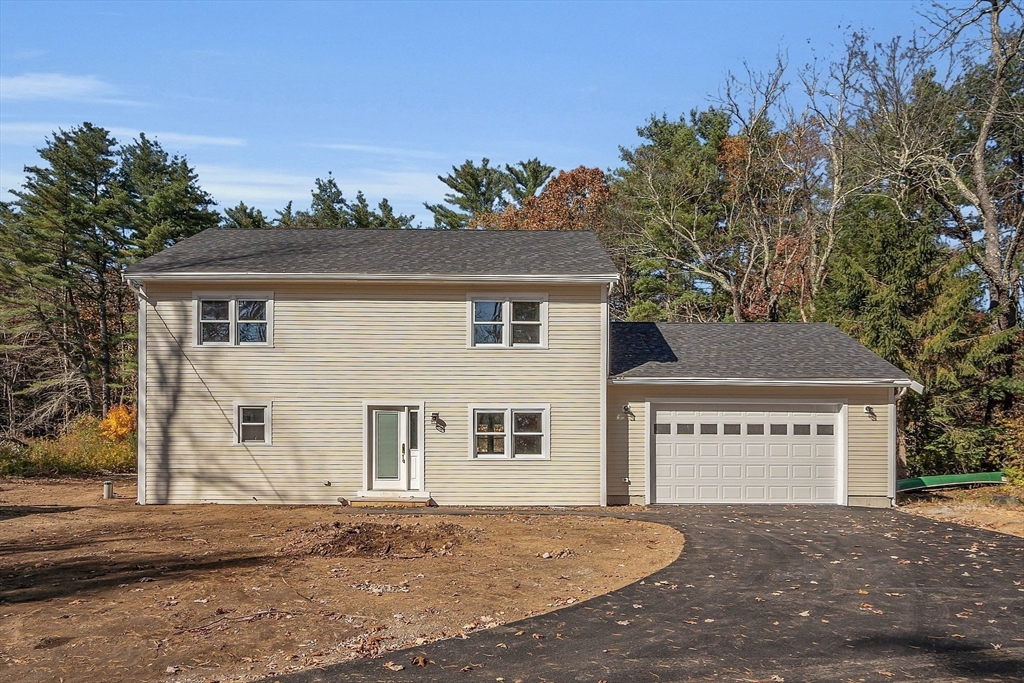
[[624, 622], [466, 669], [420, 661], [862, 591], [885, 673], [538, 636], [519, 633], [805, 613], [391, 666]]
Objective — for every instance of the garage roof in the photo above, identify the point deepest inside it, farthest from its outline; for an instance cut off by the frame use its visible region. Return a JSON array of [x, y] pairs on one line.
[[770, 352]]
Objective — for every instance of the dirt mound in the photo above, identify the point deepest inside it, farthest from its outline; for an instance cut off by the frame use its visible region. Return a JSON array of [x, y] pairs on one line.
[[372, 539]]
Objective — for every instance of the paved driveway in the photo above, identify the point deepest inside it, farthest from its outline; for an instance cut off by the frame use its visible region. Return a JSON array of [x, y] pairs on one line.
[[767, 594]]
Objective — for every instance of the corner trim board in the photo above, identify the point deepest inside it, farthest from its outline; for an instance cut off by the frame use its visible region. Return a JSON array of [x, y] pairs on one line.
[[141, 415]]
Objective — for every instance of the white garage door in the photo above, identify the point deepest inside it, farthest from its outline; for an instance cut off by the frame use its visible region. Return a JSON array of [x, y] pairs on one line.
[[745, 453]]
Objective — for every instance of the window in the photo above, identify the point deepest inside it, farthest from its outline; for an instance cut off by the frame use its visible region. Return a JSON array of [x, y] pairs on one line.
[[802, 430], [510, 433], [252, 423], [826, 430], [684, 428], [709, 429], [755, 429], [234, 320], [730, 429], [662, 429], [516, 321], [779, 429]]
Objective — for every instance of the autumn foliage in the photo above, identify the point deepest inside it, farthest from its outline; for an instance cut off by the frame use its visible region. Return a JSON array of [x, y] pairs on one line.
[[572, 200], [118, 423]]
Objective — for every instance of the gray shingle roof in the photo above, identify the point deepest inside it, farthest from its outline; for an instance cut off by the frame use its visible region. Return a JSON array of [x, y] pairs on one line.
[[383, 252], [768, 351]]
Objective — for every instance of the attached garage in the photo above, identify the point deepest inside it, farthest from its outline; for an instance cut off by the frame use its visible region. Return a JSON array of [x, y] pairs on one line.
[[750, 413]]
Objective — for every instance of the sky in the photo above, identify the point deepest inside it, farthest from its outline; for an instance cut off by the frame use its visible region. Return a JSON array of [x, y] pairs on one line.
[[264, 97]]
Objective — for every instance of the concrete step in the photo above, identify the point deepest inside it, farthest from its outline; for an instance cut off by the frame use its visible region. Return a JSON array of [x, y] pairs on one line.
[[390, 501]]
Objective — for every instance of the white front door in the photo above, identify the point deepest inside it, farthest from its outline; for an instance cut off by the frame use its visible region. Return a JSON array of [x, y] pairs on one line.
[[746, 453], [395, 451]]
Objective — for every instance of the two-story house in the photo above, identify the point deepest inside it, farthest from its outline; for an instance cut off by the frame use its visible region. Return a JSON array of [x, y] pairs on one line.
[[480, 368]]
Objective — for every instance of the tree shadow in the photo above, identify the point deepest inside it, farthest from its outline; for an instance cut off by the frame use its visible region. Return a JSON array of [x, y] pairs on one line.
[[69, 577], [16, 511], [961, 657], [636, 344]]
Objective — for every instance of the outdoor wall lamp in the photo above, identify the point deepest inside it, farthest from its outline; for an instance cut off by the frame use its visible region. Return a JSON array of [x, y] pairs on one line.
[[870, 412], [628, 412], [439, 424]]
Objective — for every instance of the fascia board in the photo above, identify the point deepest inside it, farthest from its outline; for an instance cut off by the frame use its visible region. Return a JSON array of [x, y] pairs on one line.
[[402, 277], [757, 382]]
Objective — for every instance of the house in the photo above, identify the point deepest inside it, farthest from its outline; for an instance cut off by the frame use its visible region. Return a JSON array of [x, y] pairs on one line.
[[480, 368]]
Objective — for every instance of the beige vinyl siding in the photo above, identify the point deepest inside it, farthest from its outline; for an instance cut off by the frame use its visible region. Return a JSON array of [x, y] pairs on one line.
[[337, 345], [867, 438]]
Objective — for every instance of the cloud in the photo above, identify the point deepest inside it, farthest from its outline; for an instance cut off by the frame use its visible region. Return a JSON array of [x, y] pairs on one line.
[[273, 189], [52, 86], [34, 134], [384, 151], [230, 185]]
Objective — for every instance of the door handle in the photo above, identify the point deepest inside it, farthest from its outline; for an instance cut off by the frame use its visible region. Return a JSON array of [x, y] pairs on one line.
[[403, 452]]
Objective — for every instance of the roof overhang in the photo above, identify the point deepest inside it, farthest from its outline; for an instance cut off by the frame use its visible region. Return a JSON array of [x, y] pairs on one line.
[[609, 278], [762, 382]]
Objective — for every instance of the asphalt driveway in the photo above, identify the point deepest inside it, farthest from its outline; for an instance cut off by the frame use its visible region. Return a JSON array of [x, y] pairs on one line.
[[766, 594]]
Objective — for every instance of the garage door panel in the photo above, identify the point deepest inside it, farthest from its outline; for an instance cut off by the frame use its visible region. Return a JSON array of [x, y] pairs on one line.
[[707, 450], [737, 453], [685, 450], [709, 493], [708, 472]]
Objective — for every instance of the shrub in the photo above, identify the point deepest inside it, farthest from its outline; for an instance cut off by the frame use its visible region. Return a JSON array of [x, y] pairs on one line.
[[84, 449], [119, 423]]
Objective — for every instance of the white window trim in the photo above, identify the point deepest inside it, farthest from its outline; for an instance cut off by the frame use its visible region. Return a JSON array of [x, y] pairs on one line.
[[507, 298], [543, 408], [268, 421], [232, 299]]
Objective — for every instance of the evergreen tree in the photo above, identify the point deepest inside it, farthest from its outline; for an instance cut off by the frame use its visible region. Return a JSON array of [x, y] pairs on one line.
[[163, 202], [904, 293], [477, 191], [242, 216], [64, 244], [526, 178]]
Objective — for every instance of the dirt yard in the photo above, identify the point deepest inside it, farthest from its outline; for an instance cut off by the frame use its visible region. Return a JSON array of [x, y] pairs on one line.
[[998, 508], [104, 590]]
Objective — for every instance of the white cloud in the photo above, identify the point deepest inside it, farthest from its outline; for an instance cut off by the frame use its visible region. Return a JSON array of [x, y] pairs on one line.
[[385, 151], [273, 189], [230, 185], [50, 86], [34, 134]]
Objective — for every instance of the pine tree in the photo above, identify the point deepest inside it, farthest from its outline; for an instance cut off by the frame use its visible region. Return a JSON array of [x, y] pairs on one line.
[[903, 292], [477, 191], [163, 202], [246, 217], [526, 179]]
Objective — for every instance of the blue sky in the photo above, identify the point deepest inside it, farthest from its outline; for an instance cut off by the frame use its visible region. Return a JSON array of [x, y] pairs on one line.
[[263, 97]]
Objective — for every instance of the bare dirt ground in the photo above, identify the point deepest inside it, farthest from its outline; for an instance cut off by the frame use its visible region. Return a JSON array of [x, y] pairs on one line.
[[104, 590], [997, 508]]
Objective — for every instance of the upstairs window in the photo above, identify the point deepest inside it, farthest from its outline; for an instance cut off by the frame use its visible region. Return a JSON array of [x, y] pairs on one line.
[[233, 320], [511, 321]]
